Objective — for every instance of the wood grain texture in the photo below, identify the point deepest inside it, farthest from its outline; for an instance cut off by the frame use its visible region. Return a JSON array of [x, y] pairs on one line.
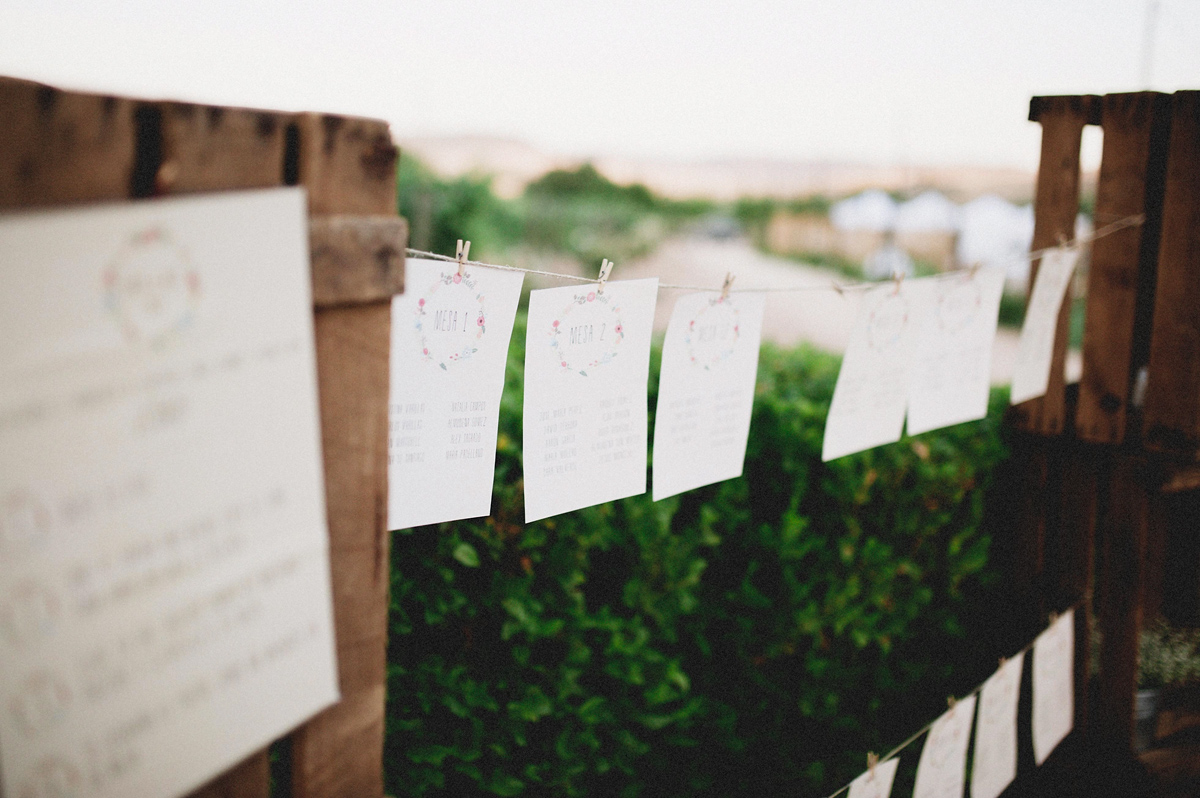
[[251, 778], [1172, 413], [1055, 207], [1120, 292], [212, 148], [356, 259], [59, 147], [1122, 552], [349, 167]]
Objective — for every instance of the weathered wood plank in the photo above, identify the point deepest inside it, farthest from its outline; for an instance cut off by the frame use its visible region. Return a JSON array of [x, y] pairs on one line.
[[251, 778], [1070, 552], [1122, 552], [59, 147], [1172, 413], [212, 148], [356, 259], [1120, 294], [348, 167], [1055, 206]]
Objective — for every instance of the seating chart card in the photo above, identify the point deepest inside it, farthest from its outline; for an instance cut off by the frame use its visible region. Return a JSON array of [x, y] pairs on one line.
[[941, 771], [587, 362], [953, 358], [876, 783], [164, 597], [994, 765], [1035, 350], [450, 336], [1053, 685], [706, 390], [872, 387]]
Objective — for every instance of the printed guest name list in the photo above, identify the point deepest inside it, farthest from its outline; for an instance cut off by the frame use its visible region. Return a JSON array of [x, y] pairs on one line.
[[450, 336], [587, 362]]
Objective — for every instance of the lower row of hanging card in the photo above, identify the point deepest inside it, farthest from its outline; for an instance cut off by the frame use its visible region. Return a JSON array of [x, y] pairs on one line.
[[921, 349]]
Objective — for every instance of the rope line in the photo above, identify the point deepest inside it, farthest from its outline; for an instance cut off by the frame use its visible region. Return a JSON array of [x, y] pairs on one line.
[[917, 734], [839, 287]]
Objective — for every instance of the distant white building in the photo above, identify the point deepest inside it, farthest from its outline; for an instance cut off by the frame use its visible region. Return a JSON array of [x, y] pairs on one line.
[[928, 212], [872, 210], [995, 232]]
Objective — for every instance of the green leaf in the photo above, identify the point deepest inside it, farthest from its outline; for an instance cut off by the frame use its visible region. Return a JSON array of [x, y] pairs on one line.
[[465, 553]]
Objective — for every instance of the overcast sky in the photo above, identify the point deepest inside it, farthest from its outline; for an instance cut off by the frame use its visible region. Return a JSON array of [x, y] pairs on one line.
[[883, 81]]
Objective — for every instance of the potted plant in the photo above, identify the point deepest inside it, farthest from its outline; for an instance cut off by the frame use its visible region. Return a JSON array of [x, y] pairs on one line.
[[1168, 658]]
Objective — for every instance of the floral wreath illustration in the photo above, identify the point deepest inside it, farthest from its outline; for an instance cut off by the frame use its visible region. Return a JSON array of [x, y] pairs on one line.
[[556, 328], [468, 349], [122, 286], [689, 337], [885, 327]]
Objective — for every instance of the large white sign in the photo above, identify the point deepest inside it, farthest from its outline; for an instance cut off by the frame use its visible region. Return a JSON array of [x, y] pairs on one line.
[[164, 591]]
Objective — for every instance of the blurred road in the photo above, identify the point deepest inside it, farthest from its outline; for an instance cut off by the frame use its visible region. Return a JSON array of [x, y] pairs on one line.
[[821, 317]]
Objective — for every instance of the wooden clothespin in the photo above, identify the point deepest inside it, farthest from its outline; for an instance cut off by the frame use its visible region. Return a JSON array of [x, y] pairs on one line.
[[606, 267], [464, 248], [872, 761], [725, 287]]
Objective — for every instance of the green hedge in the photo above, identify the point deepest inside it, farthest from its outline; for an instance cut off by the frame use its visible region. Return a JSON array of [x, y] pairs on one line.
[[754, 636]]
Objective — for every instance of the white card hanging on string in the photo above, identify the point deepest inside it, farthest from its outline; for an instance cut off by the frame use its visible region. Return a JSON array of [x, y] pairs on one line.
[[942, 769], [1031, 374], [706, 390], [953, 356], [875, 782], [450, 334], [871, 394], [165, 602], [994, 764], [1053, 685], [587, 362]]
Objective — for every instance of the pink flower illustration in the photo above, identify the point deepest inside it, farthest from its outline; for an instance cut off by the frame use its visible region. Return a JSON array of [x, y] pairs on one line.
[[425, 351], [564, 363], [619, 328], [457, 278], [555, 324], [480, 322], [591, 295], [421, 303]]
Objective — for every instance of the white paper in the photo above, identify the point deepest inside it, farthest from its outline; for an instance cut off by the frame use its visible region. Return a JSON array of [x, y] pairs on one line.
[[1031, 374], [164, 597], [877, 784], [706, 390], [941, 771], [450, 337], [994, 764], [1053, 685], [587, 362], [872, 387], [953, 357]]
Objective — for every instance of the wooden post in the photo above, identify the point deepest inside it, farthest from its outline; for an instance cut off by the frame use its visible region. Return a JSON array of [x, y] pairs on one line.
[[1122, 542], [349, 167], [1055, 208], [1120, 294], [1172, 417]]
